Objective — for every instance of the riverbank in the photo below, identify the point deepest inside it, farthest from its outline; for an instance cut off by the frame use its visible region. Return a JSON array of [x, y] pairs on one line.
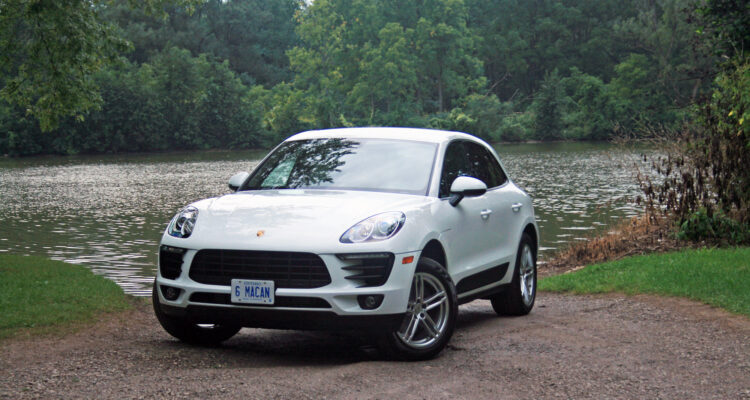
[[636, 236], [41, 296]]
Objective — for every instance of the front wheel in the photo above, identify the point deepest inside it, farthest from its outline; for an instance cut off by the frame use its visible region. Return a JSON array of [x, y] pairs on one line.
[[430, 315], [186, 331], [519, 298]]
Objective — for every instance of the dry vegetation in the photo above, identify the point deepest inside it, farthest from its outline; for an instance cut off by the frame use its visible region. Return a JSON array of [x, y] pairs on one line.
[[639, 235]]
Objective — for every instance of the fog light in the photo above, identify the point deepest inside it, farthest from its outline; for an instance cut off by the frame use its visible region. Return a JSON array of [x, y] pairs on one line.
[[370, 301], [170, 293]]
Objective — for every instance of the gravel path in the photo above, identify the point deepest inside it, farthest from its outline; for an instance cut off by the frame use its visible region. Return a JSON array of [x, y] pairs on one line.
[[568, 347]]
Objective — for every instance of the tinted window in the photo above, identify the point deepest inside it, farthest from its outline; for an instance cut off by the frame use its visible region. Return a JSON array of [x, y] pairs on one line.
[[484, 165], [454, 165], [364, 164]]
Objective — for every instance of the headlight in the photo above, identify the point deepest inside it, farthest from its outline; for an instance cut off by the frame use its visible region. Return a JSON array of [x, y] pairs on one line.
[[183, 223], [377, 227]]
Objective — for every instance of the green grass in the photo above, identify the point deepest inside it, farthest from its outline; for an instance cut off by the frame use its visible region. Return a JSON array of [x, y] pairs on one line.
[[720, 277], [38, 295]]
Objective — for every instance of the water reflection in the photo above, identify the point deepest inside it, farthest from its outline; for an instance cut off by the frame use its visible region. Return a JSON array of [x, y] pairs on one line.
[[577, 187], [108, 212]]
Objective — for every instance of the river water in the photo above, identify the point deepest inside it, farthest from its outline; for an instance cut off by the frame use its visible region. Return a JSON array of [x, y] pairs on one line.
[[108, 212]]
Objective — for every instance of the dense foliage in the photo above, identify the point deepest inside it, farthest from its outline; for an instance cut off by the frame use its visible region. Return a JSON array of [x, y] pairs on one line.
[[239, 73], [51, 50], [175, 101], [705, 182]]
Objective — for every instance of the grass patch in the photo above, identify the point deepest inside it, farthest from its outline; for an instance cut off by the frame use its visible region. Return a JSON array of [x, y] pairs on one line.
[[720, 277], [38, 295]]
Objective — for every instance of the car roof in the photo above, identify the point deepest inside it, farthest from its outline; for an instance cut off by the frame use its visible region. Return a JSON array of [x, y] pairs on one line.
[[415, 134]]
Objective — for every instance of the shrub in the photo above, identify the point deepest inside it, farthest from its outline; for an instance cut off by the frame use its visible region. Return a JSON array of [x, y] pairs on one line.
[[517, 127], [589, 107], [702, 225], [479, 115]]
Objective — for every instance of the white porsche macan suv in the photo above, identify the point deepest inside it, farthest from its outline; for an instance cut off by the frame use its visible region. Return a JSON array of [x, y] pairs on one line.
[[379, 230]]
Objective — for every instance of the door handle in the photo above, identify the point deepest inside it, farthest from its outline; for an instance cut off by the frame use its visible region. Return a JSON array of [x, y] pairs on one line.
[[516, 207], [485, 213]]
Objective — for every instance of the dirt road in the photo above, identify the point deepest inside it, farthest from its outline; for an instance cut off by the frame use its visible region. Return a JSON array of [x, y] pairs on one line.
[[569, 347]]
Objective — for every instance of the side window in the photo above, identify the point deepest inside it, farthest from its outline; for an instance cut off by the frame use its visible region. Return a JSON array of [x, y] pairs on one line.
[[454, 165], [496, 171], [484, 166]]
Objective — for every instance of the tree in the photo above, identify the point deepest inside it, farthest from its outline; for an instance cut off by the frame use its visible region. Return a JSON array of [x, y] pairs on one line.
[[728, 23], [637, 96], [203, 102], [384, 93], [284, 110], [547, 107], [253, 35], [589, 108], [365, 62], [51, 50], [679, 63], [523, 40], [445, 49]]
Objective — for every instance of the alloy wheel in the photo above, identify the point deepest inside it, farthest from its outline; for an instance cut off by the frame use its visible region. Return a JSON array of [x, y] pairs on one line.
[[527, 276], [426, 313]]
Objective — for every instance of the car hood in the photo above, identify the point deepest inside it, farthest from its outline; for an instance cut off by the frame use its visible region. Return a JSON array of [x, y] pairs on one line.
[[280, 219]]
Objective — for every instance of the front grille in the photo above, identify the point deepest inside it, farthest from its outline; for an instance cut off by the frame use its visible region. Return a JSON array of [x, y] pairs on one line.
[[280, 301], [170, 261], [286, 269]]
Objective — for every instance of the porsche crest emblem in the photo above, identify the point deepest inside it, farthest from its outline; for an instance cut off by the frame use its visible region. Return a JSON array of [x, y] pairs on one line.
[[260, 233]]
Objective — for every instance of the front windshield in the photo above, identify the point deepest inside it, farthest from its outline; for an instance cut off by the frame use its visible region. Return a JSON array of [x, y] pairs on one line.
[[347, 164]]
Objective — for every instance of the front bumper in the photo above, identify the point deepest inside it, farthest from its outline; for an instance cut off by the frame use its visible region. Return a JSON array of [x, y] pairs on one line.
[[333, 306], [284, 319]]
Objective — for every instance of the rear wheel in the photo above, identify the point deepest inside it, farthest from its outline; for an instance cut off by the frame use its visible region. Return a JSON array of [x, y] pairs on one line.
[[519, 298], [186, 331], [430, 315]]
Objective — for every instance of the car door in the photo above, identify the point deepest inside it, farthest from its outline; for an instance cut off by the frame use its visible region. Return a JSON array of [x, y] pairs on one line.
[[503, 205], [466, 233]]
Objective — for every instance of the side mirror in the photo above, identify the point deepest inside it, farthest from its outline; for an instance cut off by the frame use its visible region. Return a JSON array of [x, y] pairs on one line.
[[466, 186], [237, 179]]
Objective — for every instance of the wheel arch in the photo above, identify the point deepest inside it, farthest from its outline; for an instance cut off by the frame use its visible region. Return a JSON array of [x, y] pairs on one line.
[[530, 230], [434, 250]]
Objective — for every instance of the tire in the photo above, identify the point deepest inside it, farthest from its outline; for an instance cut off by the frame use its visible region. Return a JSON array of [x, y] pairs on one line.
[[425, 332], [519, 298], [186, 331]]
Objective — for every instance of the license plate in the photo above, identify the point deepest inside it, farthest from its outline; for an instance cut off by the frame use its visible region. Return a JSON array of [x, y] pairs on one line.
[[252, 292]]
